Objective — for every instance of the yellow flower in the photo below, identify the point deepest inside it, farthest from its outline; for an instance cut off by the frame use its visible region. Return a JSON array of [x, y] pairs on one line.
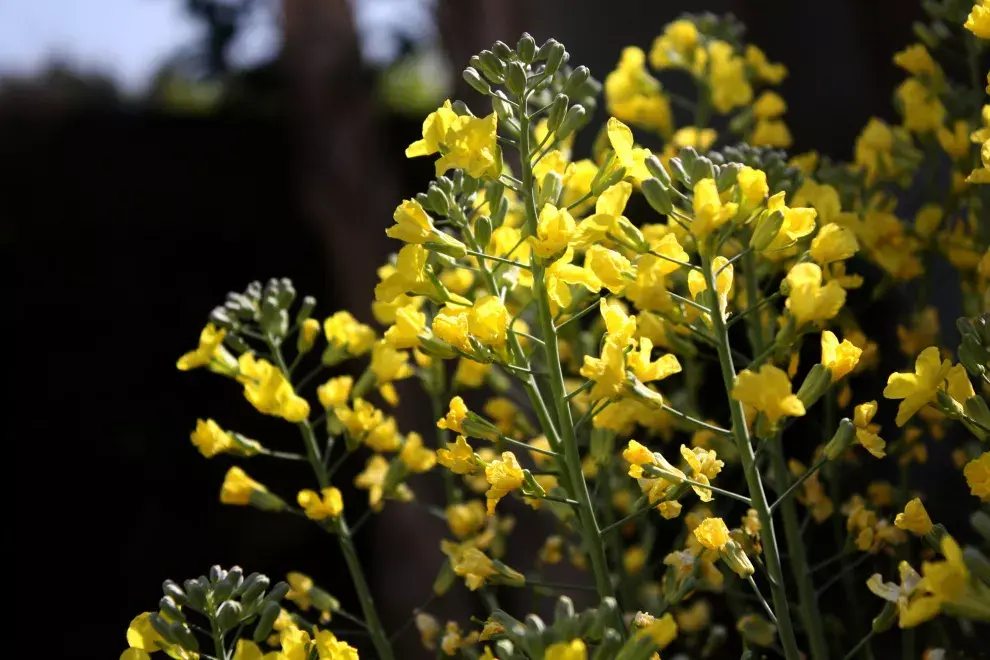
[[676, 46], [328, 647], [769, 392], [607, 217], [458, 457], [384, 437], [646, 371], [611, 268], [712, 533], [562, 273], [372, 479], [572, 650], [978, 21], [727, 77], [408, 276], [415, 456], [629, 156], [798, 223], [141, 635], [916, 60], [771, 133], [914, 519], [958, 385], [977, 473], [769, 105], [833, 243], [335, 392], [344, 332], [268, 390], [955, 142], [919, 388], [633, 559], [210, 353], [709, 211], [472, 147], [809, 301], [633, 95], [723, 283], [504, 475], [469, 562], [621, 327], [138, 654], [238, 486], [409, 324], [765, 70], [455, 416], [752, 185], [488, 320], [553, 232], [330, 505], [428, 628], [704, 466], [839, 358], [412, 224], [210, 439], [470, 373], [361, 419], [866, 433], [922, 109], [465, 519], [434, 129], [608, 371]]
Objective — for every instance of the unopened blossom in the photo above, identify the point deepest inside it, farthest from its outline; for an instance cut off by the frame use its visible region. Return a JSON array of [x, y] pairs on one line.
[[839, 358], [866, 433], [914, 518]]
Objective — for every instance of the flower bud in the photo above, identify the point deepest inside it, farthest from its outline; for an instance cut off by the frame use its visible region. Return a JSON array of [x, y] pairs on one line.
[[308, 332], [184, 636], [515, 80], [173, 590], [195, 594], [483, 231], [473, 78], [557, 111], [680, 173], [460, 109], [575, 80], [254, 586], [657, 169], [735, 558], [815, 384], [573, 119], [322, 600], [843, 437], [228, 614], [702, 169], [502, 109], [556, 55], [526, 48], [502, 50], [278, 592], [767, 228], [608, 180], [563, 610], [657, 195], [167, 605], [305, 309], [269, 612], [550, 189], [491, 66], [727, 176], [162, 627]]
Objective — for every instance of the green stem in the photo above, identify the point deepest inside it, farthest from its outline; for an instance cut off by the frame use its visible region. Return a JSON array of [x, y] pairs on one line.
[[217, 634], [753, 479], [375, 628], [438, 400], [571, 458]]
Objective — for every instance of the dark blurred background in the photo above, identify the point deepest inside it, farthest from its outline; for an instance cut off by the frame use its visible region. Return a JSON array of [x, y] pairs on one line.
[[155, 154]]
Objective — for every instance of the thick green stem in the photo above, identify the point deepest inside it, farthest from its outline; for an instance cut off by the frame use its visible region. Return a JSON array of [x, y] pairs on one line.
[[375, 629], [577, 486], [810, 616], [753, 479]]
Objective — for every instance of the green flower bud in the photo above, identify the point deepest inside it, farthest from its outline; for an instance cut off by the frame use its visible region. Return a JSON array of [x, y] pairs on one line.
[[184, 636], [980, 521], [677, 168], [278, 592], [556, 56], [174, 591], [323, 601], [550, 189], [195, 594], [657, 169], [305, 309], [483, 231], [767, 228], [162, 627], [657, 194], [460, 109], [438, 199], [557, 111], [815, 384], [269, 612], [726, 175], [574, 81], [228, 614], [445, 579], [473, 78], [167, 605], [702, 169], [610, 645], [516, 78], [843, 437], [952, 408], [526, 48], [491, 66], [253, 588], [502, 51], [501, 108], [563, 610], [573, 119]]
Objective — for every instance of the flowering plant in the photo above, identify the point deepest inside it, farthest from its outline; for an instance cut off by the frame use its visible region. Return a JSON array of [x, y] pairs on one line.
[[521, 275]]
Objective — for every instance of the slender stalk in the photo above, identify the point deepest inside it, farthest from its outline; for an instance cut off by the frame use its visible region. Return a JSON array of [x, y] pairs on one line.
[[438, 400], [571, 462], [753, 479], [796, 551], [217, 635], [697, 422], [339, 526], [794, 486]]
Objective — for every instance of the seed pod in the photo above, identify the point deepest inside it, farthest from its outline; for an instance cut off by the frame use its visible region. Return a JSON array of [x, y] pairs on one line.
[[657, 195], [472, 78], [498, 217], [516, 78], [526, 48], [269, 612], [557, 111]]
